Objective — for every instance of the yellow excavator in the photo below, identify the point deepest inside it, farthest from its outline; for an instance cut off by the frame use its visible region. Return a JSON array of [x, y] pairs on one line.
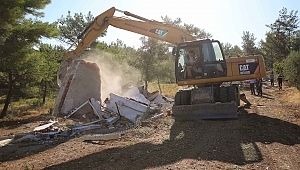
[[203, 94]]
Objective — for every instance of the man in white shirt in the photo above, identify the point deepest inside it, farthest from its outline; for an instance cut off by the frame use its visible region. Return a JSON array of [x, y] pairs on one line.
[[252, 82]]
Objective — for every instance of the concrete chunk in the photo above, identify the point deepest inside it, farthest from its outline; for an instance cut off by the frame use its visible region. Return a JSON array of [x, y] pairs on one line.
[[82, 82], [132, 110]]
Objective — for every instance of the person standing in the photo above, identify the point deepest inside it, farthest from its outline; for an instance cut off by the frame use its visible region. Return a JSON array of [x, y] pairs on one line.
[[279, 79], [252, 82], [272, 79], [259, 86]]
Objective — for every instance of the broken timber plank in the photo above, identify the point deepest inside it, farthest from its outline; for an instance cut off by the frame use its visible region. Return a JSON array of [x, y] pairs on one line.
[[105, 137]]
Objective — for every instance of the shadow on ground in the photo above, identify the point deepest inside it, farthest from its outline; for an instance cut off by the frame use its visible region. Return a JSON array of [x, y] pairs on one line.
[[230, 141]]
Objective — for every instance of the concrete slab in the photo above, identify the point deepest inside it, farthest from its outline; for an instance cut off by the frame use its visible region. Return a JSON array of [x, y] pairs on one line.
[[82, 82], [132, 110]]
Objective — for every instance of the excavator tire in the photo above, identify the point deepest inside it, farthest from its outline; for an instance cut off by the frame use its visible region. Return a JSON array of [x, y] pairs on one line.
[[178, 98], [223, 94], [185, 97], [232, 94], [217, 94]]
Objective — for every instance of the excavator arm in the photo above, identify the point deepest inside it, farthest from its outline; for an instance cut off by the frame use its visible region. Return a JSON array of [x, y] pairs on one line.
[[143, 26]]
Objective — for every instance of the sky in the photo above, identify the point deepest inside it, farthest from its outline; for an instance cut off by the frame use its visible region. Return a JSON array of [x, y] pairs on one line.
[[224, 19]]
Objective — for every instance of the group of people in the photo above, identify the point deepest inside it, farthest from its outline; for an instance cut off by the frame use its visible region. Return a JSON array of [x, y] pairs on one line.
[[279, 80], [258, 84]]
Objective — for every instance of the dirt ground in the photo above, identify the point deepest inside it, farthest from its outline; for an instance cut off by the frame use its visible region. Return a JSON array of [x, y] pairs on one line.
[[265, 135]]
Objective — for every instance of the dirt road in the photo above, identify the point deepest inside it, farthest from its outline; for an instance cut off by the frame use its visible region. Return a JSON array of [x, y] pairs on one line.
[[266, 135]]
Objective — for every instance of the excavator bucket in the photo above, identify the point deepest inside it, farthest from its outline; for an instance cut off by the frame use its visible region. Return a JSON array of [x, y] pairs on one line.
[[207, 110]]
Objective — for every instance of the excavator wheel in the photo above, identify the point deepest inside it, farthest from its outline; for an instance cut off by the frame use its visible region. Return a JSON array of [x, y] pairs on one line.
[[232, 94], [217, 94], [186, 97], [223, 94], [183, 97], [178, 97]]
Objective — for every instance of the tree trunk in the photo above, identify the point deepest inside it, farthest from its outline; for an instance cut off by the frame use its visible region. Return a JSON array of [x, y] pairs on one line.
[[146, 78], [45, 92], [158, 83], [8, 98], [146, 85]]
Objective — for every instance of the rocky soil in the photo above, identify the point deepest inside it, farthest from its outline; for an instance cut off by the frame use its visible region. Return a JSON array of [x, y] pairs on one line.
[[266, 135]]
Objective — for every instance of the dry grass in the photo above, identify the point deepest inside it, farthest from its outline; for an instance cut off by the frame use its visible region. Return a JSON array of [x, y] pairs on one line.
[[291, 95], [22, 108], [168, 90]]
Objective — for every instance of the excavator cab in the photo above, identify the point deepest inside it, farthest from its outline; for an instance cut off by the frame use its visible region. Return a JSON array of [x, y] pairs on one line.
[[210, 61]]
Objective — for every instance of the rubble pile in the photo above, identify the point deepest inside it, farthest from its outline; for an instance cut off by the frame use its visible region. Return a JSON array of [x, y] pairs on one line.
[[106, 121], [79, 100], [119, 113]]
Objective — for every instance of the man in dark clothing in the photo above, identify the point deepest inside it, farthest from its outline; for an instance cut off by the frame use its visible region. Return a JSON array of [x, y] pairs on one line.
[[259, 87], [279, 79], [194, 64], [272, 79]]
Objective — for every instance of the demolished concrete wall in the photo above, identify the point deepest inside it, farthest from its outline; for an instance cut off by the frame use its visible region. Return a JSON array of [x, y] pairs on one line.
[[132, 110], [82, 81]]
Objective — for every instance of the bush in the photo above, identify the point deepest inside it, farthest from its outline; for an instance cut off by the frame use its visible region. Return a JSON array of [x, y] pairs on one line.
[[278, 67], [291, 69]]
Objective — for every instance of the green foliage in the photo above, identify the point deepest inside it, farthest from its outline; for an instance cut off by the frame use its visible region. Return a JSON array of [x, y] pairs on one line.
[[296, 41], [278, 67], [51, 57], [131, 143], [23, 104], [190, 28], [10, 117], [19, 61], [279, 40], [101, 46], [12, 11], [291, 69], [226, 49], [165, 70], [118, 49], [150, 56], [230, 51], [24, 68], [72, 26], [248, 43]]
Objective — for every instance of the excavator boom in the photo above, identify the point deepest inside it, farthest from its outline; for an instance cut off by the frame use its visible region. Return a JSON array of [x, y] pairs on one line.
[[150, 28]]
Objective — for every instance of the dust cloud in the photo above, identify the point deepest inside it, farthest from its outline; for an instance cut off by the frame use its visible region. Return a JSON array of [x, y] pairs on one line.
[[113, 73]]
